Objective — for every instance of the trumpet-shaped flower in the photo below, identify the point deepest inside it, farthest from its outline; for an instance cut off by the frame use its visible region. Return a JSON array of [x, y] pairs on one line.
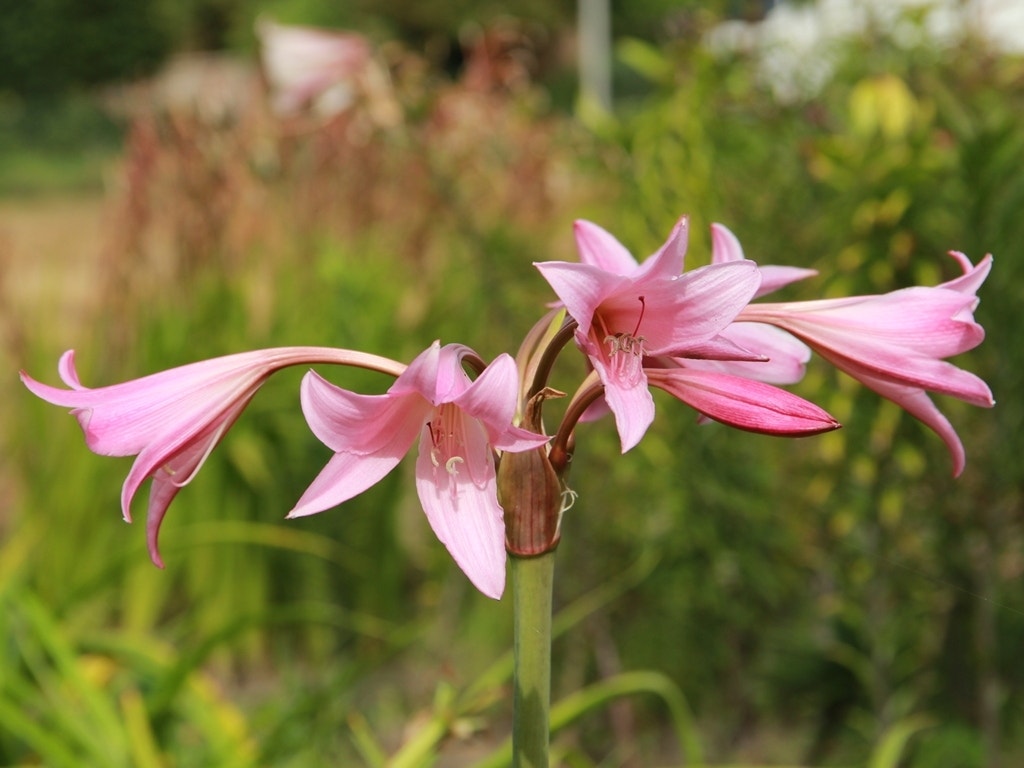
[[896, 343], [172, 420], [458, 424], [628, 313]]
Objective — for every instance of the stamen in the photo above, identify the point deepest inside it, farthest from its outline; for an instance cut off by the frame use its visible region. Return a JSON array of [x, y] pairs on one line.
[[448, 447], [435, 453], [569, 497], [631, 343], [628, 367], [643, 308]]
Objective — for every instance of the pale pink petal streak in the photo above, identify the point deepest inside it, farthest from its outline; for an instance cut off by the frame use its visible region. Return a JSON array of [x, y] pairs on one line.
[[460, 500]]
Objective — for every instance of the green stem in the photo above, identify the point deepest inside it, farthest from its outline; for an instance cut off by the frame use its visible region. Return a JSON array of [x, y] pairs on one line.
[[532, 582]]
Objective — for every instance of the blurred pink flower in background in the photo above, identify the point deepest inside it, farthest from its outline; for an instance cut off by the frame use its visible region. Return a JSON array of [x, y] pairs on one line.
[[311, 68]]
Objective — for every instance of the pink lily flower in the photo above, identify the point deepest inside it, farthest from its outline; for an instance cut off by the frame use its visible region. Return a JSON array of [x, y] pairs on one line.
[[628, 313], [308, 66], [172, 420], [459, 423], [896, 343]]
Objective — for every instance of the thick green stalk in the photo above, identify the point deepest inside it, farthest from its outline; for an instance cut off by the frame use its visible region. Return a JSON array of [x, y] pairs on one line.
[[532, 583]]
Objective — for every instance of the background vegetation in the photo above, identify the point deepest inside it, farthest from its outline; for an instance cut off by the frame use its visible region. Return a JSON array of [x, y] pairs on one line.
[[832, 601]]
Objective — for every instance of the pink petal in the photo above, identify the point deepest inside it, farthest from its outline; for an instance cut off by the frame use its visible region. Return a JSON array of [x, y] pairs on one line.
[[972, 278], [460, 499], [921, 372], [492, 397], [345, 476], [122, 419], [169, 478], [66, 369], [720, 348], [360, 424], [302, 62], [492, 400], [582, 288], [667, 261], [599, 248], [369, 434], [452, 379], [784, 356], [774, 277], [743, 403], [687, 311], [726, 248], [926, 321], [629, 400], [917, 403], [421, 376]]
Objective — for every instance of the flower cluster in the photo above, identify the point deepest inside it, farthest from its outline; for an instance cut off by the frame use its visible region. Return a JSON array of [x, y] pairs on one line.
[[487, 475]]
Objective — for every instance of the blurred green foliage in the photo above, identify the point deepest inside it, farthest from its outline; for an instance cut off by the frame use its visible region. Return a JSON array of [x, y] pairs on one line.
[[57, 143], [52, 46], [838, 600]]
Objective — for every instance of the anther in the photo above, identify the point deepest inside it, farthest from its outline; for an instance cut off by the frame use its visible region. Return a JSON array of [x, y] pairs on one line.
[[630, 343]]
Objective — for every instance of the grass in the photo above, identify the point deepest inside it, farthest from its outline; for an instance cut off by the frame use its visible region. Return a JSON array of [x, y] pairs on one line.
[[35, 172], [56, 145]]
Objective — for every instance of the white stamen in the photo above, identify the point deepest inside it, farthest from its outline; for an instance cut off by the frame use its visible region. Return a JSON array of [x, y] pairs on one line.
[[569, 497]]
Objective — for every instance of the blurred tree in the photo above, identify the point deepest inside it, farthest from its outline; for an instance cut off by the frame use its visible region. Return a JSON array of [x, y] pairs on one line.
[[51, 46]]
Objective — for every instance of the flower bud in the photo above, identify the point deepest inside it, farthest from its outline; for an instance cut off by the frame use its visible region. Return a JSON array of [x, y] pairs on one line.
[[531, 495]]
